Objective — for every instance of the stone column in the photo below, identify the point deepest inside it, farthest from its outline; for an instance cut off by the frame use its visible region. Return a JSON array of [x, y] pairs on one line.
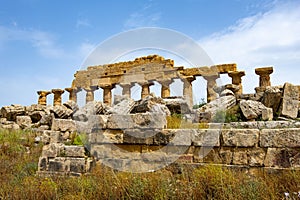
[[146, 89], [165, 88], [211, 83], [43, 97], [90, 93], [72, 93], [57, 96], [264, 76], [237, 80], [107, 94], [188, 89], [126, 90]]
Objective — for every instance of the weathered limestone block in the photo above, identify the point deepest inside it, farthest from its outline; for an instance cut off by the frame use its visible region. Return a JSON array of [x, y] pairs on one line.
[[163, 137], [240, 156], [207, 155], [91, 108], [206, 137], [240, 137], [10, 126], [256, 156], [272, 97], [290, 101], [24, 121], [74, 151], [140, 120], [49, 136], [63, 125], [123, 106], [61, 112], [178, 105], [52, 150], [282, 158], [43, 163], [138, 136], [226, 92], [11, 112], [71, 105], [226, 155], [182, 137], [94, 123], [253, 109], [280, 138], [107, 137], [221, 104], [151, 104]]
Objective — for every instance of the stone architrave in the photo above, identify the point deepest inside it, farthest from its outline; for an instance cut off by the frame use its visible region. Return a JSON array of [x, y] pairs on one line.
[[237, 80], [57, 96], [290, 101], [43, 97], [188, 89], [211, 84]]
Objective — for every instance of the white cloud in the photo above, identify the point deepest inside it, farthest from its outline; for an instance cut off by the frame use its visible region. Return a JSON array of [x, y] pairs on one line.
[[143, 18], [43, 42], [83, 23], [270, 38]]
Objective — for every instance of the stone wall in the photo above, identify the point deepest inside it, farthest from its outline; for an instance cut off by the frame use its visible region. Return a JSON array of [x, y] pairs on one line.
[[273, 144]]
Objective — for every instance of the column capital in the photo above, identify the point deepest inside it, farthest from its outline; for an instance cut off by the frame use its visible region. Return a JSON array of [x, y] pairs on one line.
[[236, 74], [59, 91], [264, 71], [43, 92], [90, 88]]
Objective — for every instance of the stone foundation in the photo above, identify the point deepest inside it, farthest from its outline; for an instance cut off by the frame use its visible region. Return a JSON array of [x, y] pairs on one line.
[[245, 144]]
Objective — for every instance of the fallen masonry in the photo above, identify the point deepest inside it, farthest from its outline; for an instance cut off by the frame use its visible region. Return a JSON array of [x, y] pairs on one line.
[[254, 131]]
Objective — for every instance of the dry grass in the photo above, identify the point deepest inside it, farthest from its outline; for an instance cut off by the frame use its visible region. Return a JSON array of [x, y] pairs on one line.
[[18, 180]]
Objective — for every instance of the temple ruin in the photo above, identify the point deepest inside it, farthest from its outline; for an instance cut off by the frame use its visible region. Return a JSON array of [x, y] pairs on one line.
[[143, 71]]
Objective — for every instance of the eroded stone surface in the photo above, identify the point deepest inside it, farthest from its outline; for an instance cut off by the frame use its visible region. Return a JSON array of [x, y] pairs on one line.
[[240, 137]]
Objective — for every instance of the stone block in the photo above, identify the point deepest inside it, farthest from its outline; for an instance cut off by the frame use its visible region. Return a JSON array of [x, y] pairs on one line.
[[206, 137], [74, 151], [63, 125], [282, 157], [77, 165], [240, 137], [108, 136], [139, 120], [206, 155], [226, 155], [240, 156], [58, 164], [52, 150], [24, 121], [163, 137], [182, 137], [138, 136], [290, 101], [256, 156], [280, 138], [43, 163], [51, 137]]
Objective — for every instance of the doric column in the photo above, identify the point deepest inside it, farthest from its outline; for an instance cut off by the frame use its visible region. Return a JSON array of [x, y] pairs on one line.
[[72, 93], [126, 90], [237, 80], [146, 89], [188, 89], [211, 83], [57, 96], [165, 88], [107, 94], [90, 93], [264, 76], [43, 97]]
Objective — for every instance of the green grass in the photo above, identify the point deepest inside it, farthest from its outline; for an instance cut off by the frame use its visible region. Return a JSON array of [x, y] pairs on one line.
[[18, 180]]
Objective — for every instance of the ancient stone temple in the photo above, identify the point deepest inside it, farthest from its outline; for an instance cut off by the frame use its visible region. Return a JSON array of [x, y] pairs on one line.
[[144, 71]]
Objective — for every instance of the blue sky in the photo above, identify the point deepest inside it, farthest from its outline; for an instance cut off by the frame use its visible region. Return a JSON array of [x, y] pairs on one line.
[[43, 43]]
